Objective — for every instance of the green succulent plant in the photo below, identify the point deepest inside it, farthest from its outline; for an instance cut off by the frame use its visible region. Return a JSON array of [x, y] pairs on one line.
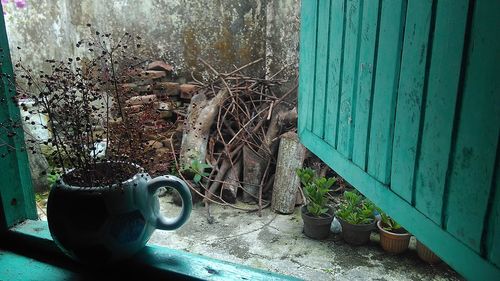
[[356, 209], [390, 224], [315, 190], [306, 175], [197, 169]]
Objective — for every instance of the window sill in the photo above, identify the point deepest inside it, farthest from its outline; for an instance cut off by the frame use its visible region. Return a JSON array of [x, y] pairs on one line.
[[28, 252]]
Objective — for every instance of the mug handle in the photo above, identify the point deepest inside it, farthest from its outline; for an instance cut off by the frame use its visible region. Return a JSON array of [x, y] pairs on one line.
[[163, 222]]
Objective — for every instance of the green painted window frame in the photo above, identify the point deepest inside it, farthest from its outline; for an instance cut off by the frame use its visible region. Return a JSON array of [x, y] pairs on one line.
[[22, 234], [17, 200]]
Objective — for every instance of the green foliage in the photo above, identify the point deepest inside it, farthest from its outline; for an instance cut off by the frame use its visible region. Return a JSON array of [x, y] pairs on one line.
[[52, 178], [39, 197], [390, 224], [315, 190], [356, 209], [306, 175], [198, 170]]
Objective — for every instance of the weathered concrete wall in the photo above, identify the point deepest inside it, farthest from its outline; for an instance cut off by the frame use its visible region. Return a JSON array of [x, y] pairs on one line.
[[282, 37], [223, 32]]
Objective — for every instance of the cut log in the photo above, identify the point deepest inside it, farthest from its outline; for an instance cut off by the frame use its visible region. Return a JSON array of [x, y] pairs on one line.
[[234, 155], [231, 183], [254, 164], [291, 155], [226, 164], [253, 169], [201, 115]]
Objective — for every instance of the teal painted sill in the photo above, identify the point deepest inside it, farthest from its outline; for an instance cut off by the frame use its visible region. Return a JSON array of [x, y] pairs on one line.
[[27, 252]]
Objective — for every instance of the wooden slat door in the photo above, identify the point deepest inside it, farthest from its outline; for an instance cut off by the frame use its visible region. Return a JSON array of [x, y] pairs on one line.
[[402, 99]]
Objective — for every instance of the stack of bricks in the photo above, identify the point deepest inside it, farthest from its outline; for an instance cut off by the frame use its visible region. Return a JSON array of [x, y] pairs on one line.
[[156, 99]]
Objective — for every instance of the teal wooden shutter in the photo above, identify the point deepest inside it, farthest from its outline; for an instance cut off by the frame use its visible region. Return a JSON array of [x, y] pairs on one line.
[[402, 99], [17, 201]]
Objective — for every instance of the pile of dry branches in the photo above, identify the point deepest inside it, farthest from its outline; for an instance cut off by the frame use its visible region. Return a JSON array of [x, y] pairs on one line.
[[233, 124]]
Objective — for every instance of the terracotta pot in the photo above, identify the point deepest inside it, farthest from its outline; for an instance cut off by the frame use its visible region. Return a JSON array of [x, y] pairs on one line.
[[317, 227], [356, 234], [393, 242], [426, 254]]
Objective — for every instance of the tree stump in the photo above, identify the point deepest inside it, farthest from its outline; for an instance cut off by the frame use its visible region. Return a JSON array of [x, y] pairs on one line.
[[291, 155]]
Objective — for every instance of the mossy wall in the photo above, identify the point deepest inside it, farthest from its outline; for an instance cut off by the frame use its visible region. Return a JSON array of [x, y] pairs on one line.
[[222, 32]]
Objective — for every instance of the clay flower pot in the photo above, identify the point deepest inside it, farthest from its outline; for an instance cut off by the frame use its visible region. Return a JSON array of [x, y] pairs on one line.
[[393, 242], [426, 254], [356, 234], [317, 227]]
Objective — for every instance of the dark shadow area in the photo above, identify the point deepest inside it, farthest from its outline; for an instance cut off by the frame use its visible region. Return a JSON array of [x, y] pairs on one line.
[[45, 251]]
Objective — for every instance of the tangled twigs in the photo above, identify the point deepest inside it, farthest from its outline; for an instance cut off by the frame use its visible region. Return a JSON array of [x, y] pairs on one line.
[[194, 189], [233, 124]]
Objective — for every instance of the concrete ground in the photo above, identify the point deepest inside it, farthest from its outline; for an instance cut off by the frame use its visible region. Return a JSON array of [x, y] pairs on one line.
[[276, 243]]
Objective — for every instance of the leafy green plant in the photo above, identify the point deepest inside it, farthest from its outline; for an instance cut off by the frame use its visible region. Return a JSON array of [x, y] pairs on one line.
[[306, 175], [390, 224], [197, 169], [315, 190], [52, 178], [356, 209]]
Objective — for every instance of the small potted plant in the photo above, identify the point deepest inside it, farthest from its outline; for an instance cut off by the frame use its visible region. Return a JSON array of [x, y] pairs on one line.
[[426, 254], [356, 215], [316, 214], [393, 237]]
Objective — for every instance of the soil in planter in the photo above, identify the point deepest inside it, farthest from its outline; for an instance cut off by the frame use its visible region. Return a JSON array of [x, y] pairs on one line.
[[102, 174]]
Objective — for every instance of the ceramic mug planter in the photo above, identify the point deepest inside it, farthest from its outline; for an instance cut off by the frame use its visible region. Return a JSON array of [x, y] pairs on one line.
[[393, 242], [426, 254], [99, 225], [317, 227], [356, 234]]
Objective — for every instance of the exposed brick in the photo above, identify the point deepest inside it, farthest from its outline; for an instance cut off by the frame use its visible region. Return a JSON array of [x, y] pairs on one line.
[[187, 91], [165, 85], [160, 65], [153, 74], [144, 81], [161, 89], [133, 109], [145, 76], [128, 87], [144, 88], [140, 100]]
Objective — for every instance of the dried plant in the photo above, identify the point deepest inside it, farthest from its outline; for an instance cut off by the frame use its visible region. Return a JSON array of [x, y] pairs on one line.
[[82, 98]]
